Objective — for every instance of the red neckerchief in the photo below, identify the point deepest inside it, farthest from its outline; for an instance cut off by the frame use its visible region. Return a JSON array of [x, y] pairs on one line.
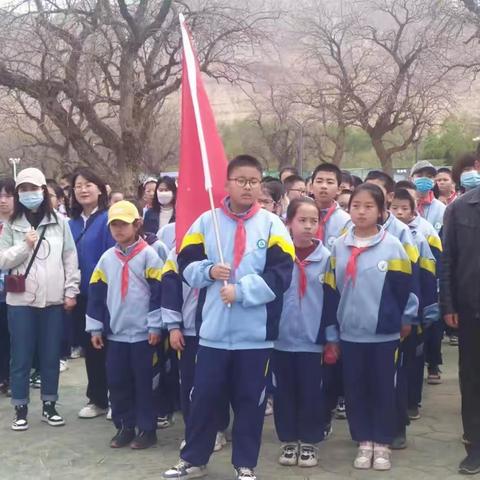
[[424, 202], [125, 259], [451, 198], [240, 232], [302, 276], [322, 221]]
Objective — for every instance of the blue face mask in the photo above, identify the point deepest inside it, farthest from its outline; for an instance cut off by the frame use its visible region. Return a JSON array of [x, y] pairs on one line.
[[31, 200], [469, 180], [424, 184]]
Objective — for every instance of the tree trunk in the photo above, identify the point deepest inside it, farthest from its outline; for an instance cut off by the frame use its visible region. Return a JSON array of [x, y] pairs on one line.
[[384, 157], [339, 145]]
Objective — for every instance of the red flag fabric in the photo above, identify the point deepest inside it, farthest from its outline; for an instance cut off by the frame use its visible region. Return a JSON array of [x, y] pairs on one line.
[[202, 157]]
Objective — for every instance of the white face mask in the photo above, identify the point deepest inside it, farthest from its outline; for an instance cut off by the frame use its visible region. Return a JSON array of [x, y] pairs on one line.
[[164, 198]]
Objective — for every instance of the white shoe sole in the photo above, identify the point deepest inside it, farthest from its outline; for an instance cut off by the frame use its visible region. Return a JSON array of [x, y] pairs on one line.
[[288, 462], [53, 424], [382, 467], [92, 415], [17, 428], [201, 474], [307, 464]]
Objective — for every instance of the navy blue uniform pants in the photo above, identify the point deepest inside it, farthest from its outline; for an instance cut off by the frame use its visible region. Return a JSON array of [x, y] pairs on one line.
[[416, 368], [369, 371], [300, 400], [129, 376], [241, 374]]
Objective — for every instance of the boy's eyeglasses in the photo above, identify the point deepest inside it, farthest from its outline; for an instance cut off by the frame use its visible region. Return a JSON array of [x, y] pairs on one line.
[[242, 182], [301, 192], [263, 201]]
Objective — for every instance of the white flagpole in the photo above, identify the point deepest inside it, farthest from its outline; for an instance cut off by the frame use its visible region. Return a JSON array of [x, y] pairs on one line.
[[192, 81]]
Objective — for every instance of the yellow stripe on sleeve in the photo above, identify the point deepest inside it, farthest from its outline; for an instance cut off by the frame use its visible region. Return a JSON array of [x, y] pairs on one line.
[[428, 264], [98, 276], [412, 252], [170, 266], [195, 238], [152, 273], [333, 262], [329, 279], [286, 245], [400, 265], [435, 242]]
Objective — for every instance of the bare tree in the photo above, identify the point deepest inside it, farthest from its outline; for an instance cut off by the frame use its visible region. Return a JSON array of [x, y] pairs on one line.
[[101, 71], [381, 63]]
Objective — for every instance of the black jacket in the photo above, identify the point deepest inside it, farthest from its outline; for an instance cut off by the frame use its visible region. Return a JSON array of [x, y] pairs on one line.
[[151, 220], [460, 264]]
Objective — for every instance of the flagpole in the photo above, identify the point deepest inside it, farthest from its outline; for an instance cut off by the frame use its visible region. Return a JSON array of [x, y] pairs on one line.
[[192, 80]]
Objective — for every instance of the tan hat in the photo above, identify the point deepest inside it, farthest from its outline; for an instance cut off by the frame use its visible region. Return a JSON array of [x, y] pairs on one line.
[[125, 211], [31, 175]]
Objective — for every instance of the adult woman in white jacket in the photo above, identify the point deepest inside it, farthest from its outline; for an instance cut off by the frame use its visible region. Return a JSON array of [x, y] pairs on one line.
[[35, 311]]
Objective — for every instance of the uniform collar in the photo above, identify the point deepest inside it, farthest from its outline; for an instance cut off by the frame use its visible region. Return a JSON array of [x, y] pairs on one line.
[[350, 237]]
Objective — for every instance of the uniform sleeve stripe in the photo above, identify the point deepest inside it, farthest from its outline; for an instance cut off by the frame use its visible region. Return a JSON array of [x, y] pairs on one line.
[[98, 276], [193, 239], [152, 273], [400, 265], [286, 246], [330, 280], [428, 264], [412, 252], [435, 242], [333, 262], [170, 266]]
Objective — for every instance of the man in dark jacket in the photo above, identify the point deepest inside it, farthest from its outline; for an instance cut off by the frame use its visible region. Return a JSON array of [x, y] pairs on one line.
[[460, 303]]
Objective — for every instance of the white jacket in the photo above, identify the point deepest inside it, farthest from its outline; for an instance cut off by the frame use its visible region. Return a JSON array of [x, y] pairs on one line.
[[54, 274]]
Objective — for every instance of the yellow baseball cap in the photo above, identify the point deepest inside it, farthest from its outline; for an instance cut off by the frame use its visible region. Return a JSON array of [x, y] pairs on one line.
[[125, 211]]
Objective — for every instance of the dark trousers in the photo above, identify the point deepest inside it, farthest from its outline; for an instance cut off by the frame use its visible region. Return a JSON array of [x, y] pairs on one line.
[[67, 335], [369, 381], [4, 344], [35, 329], [433, 344], [333, 383], [469, 370], [186, 364], [416, 368], [94, 359], [241, 374], [130, 374], [405, 363], [167, 393], [300, 400]]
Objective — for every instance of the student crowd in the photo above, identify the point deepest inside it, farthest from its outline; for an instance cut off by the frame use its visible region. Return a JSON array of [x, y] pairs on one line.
[[326, 305]]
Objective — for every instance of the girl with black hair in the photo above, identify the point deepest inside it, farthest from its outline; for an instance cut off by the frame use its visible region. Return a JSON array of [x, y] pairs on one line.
[[92, 238], [163, 207], [36, 245]]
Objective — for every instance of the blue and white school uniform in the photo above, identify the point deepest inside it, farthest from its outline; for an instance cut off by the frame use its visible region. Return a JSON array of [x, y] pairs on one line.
[[126, 311], [308, 321], [373, 307], [434, 212], [336, 225]]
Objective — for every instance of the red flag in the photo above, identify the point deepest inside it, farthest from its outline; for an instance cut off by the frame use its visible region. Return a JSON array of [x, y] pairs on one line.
[[203, 163]]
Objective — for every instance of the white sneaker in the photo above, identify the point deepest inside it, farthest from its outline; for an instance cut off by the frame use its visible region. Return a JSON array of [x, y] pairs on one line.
[[76, 352], [363, 460], [63, 365], [109, 413], [91, 411], [308, 455], [220, 442], [245, 473], [289, 456], [381, 457], [182, 444], [269, 407], [165, 422], [185, 470]]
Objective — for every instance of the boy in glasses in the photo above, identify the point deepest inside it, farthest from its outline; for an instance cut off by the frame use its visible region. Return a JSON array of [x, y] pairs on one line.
[[239, 306]]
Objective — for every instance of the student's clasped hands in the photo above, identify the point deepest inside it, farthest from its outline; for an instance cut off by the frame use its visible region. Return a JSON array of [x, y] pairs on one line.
[[222, 272]]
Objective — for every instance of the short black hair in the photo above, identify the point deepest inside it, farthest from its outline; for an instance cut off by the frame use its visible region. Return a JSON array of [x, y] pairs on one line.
[[405, 184], [244, 161], [269, 178], [328, 167], [467, 160], [404, 194], [7, 184], [347, 177], [291, 180], [296, 203], [387, 181], [356, 181], [446, 170], [345, 191], [288, 168], [275, 189]]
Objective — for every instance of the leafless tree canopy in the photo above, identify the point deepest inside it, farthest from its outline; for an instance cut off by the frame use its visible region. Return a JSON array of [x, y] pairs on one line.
[[94, 76]]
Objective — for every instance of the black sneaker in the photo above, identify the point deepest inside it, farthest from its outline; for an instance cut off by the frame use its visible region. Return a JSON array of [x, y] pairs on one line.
[[245, 473], [413, 413], [470, 465], [399, 442], [144, 440], [4, 387], [51, 416], [341, 411], [123, 437], [35, 380], [20, 422], [434, 376]]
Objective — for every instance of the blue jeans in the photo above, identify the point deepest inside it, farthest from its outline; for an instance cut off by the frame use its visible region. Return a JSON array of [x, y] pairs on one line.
[[35, 328]]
